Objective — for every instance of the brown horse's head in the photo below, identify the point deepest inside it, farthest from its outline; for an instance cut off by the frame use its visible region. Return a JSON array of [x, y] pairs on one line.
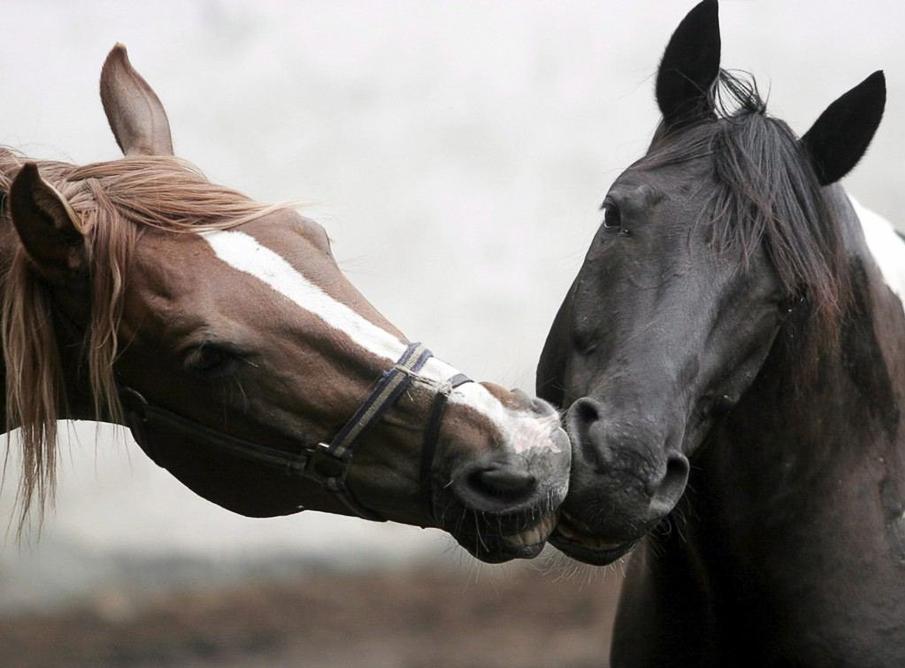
[[235, 317]]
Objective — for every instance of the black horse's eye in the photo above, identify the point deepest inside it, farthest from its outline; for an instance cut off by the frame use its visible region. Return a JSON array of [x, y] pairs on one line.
[[212, 361], [612, 218]]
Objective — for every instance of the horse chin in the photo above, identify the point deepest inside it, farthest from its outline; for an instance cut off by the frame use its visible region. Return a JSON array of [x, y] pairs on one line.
[[582, 545], [502, 553]]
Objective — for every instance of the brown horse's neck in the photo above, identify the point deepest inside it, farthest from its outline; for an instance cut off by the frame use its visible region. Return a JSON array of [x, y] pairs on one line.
[[792, 535]]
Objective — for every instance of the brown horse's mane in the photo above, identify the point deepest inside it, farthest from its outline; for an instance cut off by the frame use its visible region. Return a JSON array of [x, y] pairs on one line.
[[115, 201]]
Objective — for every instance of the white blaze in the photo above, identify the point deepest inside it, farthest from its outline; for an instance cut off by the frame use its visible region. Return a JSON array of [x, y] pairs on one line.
[[243, 252], [523, 430], [885, 245]]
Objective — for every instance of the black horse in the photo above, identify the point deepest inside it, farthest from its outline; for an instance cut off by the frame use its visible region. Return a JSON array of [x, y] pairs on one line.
[[732, 334]]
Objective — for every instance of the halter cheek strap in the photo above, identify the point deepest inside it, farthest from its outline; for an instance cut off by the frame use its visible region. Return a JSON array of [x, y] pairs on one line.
[[432, 437], [339, 451], [324, 463]]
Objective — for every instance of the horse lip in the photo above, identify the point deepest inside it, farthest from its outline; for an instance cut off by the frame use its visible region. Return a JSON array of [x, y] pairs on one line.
[[506, 552], [577, 541], [570, 521]]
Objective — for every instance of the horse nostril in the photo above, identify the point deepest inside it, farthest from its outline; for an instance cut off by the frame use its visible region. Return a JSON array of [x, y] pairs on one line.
[[586, 411], [542, 408], [583, 414], [672, 486], [503, 483], [581, 419]]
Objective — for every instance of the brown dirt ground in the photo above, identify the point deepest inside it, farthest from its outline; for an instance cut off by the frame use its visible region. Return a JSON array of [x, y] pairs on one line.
[[438, 618]]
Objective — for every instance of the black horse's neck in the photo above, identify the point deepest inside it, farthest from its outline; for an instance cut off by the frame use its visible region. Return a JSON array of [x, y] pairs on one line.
[[791, 541]]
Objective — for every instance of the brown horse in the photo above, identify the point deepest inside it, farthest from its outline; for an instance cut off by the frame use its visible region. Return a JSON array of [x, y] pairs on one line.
[[222, 331]]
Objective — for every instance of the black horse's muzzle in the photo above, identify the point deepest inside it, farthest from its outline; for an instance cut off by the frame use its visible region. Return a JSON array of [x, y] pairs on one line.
[[626, 477]]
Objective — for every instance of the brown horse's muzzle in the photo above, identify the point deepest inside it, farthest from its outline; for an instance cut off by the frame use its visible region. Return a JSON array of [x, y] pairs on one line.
[[501, 503]]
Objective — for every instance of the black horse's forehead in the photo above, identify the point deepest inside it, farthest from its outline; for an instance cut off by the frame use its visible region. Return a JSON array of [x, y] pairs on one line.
[[667, 172], [634, 192]]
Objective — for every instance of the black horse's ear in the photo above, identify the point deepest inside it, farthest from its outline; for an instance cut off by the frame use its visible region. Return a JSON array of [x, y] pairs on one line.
[[49, 229], [690, 65], [839, 138]]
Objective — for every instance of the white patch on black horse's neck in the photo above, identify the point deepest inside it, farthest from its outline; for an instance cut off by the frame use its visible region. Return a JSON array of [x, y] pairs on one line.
[[886, 247], [522, 429]]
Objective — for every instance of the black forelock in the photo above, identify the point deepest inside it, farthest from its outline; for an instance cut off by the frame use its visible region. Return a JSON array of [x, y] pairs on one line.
[[766, 195]]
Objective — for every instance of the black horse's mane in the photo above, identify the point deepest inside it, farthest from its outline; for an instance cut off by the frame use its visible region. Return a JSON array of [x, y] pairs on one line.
[[767, 196]]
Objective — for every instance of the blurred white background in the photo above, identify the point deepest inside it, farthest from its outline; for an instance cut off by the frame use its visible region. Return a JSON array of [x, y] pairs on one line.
[[456, 153]]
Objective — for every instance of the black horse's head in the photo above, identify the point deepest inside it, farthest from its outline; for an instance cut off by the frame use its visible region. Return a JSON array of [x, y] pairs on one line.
[[713, 243]]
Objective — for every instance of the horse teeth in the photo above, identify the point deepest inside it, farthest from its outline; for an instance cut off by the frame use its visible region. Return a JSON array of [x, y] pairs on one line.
[[566, 531], [534, 535], [606, 545]]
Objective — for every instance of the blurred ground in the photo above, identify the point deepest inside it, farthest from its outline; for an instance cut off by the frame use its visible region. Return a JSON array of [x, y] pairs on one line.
[[398, 619]]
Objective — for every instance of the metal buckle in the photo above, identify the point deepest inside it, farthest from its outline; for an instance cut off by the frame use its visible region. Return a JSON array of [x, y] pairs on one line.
[[323, 465], [133, 401]]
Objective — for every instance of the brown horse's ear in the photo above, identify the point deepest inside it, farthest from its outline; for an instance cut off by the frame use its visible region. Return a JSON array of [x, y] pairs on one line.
[[840, 137], [133, 109], [48, 227], [690, 65]]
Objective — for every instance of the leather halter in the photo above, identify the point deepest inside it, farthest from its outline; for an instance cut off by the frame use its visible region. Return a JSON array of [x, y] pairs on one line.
[[324, 463]]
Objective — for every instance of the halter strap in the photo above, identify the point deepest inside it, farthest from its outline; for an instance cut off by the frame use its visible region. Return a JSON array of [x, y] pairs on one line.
[[388, 389], [432, 436], [340, 449], [324, 463]]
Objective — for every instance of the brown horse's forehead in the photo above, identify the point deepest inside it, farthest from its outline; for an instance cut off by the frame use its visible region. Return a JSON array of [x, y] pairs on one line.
[[304, 244], [299, 241], [181, 272], [287, 230]]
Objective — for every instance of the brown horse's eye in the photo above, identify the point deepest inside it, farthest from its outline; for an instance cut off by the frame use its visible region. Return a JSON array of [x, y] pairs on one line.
[[612, 218], [212, 361]]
